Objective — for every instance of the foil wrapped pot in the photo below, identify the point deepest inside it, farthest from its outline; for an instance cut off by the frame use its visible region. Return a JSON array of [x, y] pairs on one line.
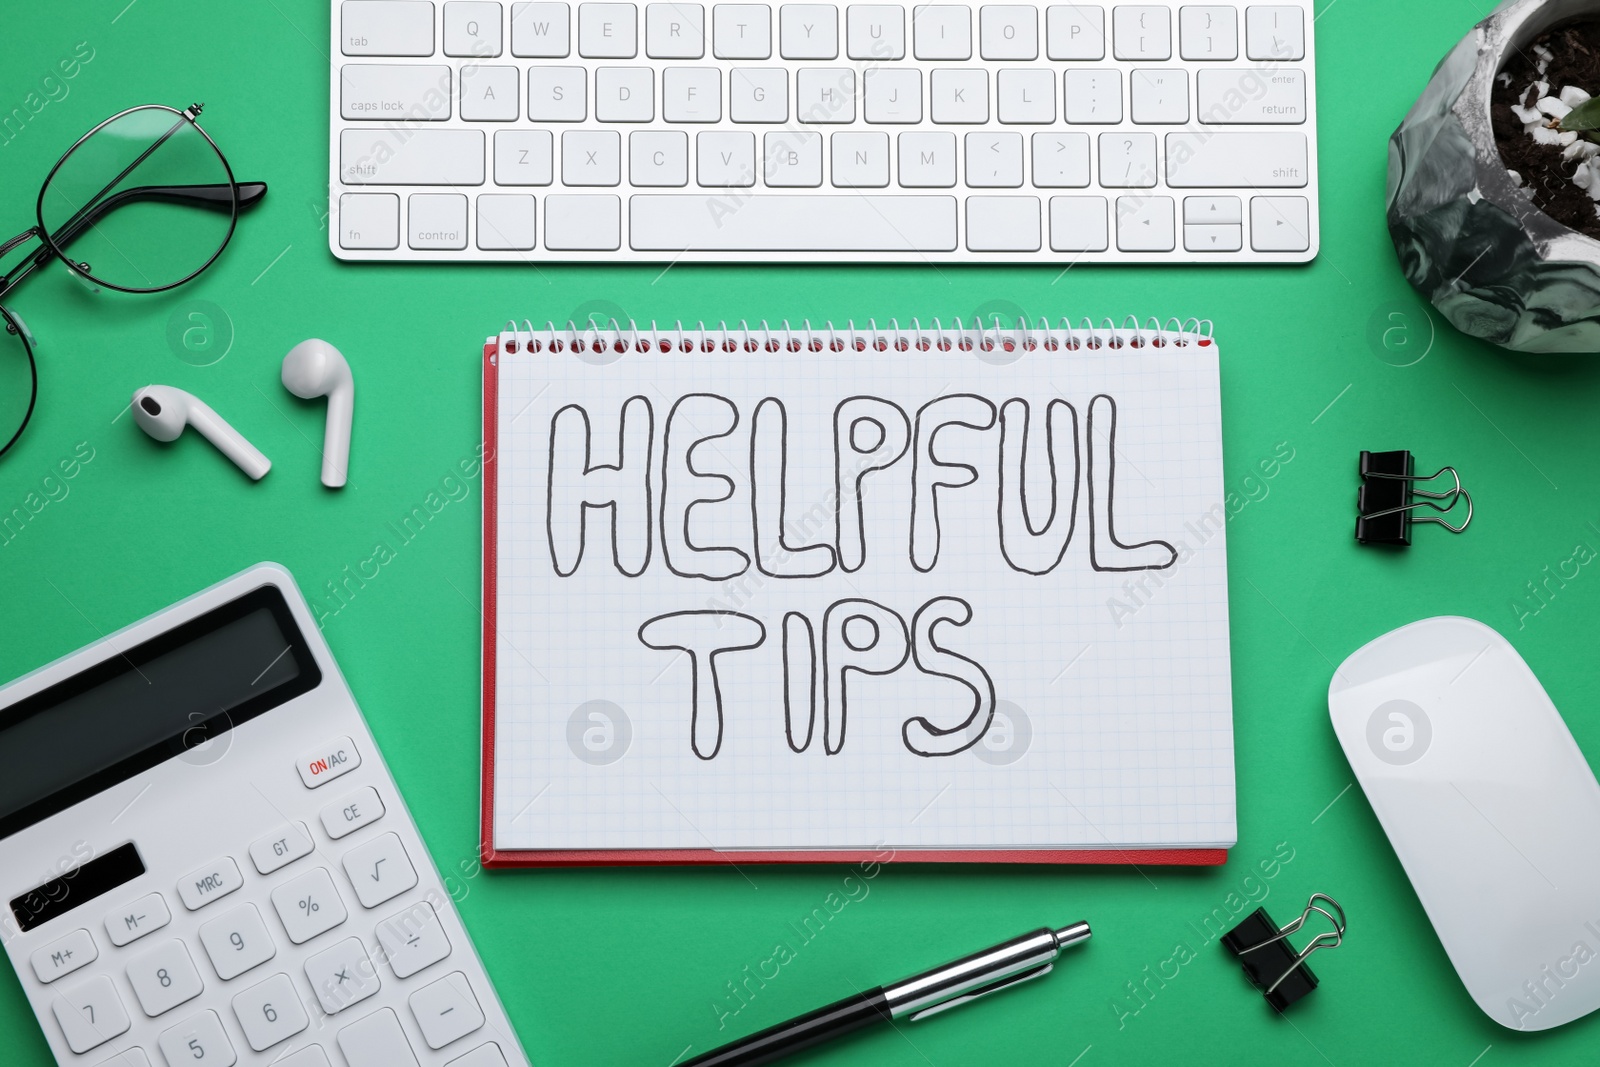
[[1468, 237]]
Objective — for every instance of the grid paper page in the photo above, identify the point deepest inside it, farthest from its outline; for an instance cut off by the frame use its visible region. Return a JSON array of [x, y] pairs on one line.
[[856, 599]]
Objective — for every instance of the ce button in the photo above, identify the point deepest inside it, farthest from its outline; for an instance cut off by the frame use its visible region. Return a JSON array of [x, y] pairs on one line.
[[351, 812]]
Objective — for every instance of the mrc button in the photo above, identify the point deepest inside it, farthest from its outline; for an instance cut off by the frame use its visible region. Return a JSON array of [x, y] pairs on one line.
[[212, 882], [328, 762]]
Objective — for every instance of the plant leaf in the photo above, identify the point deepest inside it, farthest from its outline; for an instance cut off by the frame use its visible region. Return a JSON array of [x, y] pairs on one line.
[[1586, 116]]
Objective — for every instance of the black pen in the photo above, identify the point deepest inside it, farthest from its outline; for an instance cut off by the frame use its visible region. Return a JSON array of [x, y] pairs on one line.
[[965, 980]]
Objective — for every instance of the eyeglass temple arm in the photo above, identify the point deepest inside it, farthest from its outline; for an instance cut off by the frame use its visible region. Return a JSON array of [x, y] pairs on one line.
[[216, 196]]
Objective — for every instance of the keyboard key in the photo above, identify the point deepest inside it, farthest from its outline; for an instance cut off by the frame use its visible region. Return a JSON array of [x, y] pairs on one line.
[[523, 157], [941, 31], [793, 159], [758, 94], [583, 222], [1075, 31], [1078, 224], [312, 1056], [1027, 95], [793, 222], [825, 94], [1008, 32], [1160, 96], [1280, 224], [369, 220], [489, 94], [413, 939], [808, 31], [875, 32], [624, 94], [91, 1014], [725, 160], [483, 1056], [1091, 97], [308, 905], [472, 29], [661, 158], [892, 95], [363, 806], [1141, 32], [394, 92], [1275, 33], [237, 941], [377, 1041], [66, 954], [994, 160], [1212, 211], [380, 870], [164, 977], [557, 94], [1128, 160], [541, 31], [212, 882], [741, 31], [960, 95], [385, 28], [270, 1012], [1211, 160], [1208, 33], [608, 31], [591, 157], [507, 223], [928, 160], [133, 1057], [1003, 223], [132, 921], [342, 975], [332, 758], [1275, 96], [1061, 160], [674, 31], [691, 94], [1144, 224], [1213, 238], [281, 847], [860, 160], [411, 157], [446, 1010], [198, 1039]]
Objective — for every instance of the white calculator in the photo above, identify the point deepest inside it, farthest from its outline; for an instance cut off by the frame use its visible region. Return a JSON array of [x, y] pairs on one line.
[[207, 862]]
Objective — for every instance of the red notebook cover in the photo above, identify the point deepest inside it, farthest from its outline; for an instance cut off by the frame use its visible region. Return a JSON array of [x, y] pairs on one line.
[[493, 857]]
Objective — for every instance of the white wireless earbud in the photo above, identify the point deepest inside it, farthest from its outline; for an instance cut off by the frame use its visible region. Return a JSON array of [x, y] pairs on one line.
[[315, 368], [162, 412]]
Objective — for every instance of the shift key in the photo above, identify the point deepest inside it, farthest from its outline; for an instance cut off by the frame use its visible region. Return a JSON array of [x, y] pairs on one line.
[[1207, 160], [412, 157]]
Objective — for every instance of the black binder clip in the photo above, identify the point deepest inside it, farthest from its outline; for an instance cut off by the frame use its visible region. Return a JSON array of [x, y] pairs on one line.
[[1384, 504], [1270, 961]]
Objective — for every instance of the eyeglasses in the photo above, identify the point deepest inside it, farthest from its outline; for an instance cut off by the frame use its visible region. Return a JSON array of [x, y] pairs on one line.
[[142, 203]]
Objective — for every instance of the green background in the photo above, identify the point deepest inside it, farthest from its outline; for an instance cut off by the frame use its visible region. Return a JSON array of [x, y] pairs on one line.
[[624, 966]]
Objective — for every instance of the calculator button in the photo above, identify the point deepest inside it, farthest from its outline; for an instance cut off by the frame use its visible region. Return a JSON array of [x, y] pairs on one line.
[[328, 761], [237, 941], [63, 956], [198, 1039], [270, 1012], [132, 1057], [351, 812], [281, 847], [312, 1056], [212, 882], [377, 1041], [446, 1010], [483, 1056], [308, 905], [91, 1014], [132, 921], [380, 870], [163, 978], [342, 975], [413, 939]]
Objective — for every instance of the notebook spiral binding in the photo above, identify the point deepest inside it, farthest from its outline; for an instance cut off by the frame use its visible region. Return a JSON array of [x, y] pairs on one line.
[[617, 338]]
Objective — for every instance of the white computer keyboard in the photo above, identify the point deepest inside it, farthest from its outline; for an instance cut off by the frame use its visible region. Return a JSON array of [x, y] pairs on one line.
[[989, 133], [207, 862]]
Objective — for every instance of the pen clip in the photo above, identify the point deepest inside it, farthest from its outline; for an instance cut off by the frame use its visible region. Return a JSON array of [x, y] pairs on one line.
[[994, 987]]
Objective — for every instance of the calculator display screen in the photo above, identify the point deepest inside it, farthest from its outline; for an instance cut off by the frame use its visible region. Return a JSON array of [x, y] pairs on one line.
[[164, 699]]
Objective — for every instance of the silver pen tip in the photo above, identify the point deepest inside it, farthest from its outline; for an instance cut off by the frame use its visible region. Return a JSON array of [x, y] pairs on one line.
[[1068, 936]]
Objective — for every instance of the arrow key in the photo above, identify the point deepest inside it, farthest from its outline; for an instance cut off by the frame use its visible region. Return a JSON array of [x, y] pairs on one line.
[[1213, 238], [1280, 224], [1213, 211], [1145, 223]]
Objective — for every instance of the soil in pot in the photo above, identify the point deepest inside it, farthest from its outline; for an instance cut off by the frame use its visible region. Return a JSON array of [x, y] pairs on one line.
[[1537, 86]]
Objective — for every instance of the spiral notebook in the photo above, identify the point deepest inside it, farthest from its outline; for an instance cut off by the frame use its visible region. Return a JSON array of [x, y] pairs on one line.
[[942, 593]]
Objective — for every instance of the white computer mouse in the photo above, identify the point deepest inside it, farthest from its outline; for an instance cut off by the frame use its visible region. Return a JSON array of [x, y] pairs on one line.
[[1491, 808]]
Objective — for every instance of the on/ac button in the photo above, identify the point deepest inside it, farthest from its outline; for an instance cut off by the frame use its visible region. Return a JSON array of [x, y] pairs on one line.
[[328, 762]]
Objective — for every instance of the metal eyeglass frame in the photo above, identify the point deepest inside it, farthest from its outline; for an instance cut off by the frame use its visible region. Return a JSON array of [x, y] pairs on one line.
[[232, 196]]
